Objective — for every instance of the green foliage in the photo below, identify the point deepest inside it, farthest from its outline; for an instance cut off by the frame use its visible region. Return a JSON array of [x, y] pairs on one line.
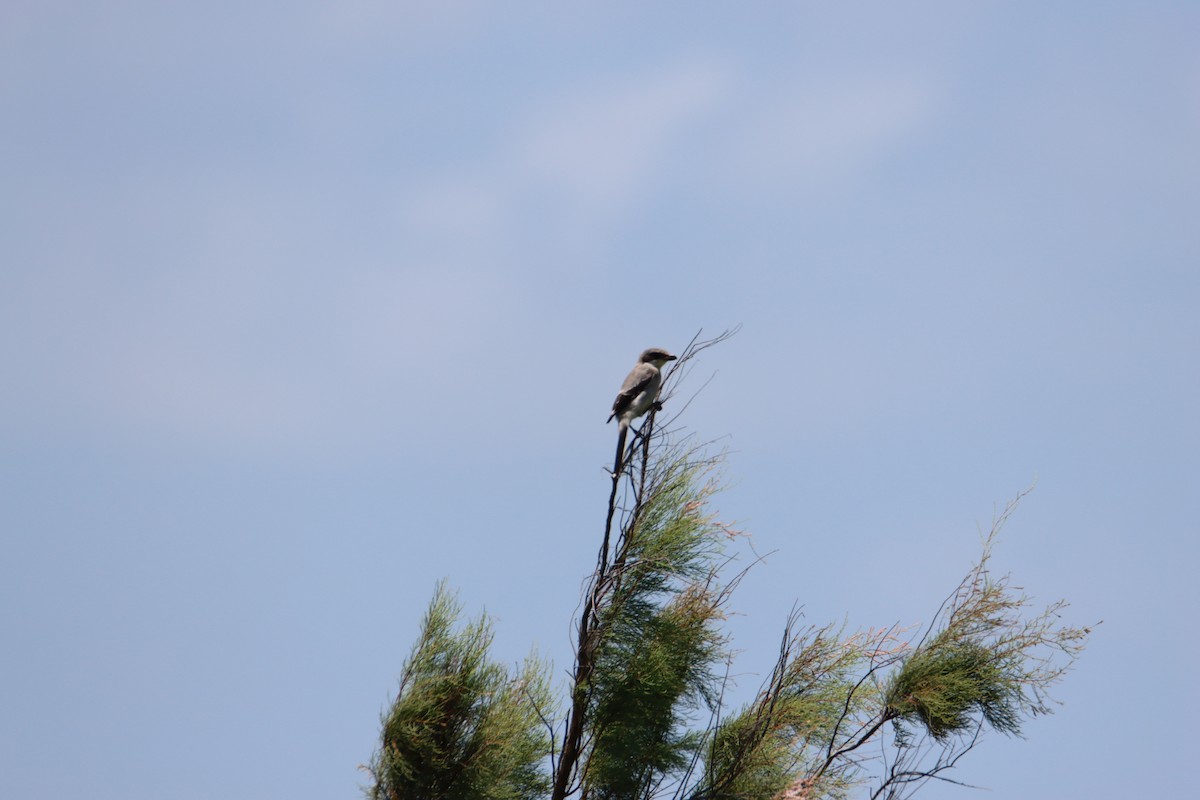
[[784, 733], [644, 689], [647, 715], [988, 657], [659, 639], [942, 684], [461, 728], [751, 755]]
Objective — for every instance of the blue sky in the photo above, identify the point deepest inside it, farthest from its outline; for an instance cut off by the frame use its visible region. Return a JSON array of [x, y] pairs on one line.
[[304, 306]]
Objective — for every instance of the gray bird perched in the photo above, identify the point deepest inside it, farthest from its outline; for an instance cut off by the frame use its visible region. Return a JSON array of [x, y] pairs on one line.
[[638, 393]]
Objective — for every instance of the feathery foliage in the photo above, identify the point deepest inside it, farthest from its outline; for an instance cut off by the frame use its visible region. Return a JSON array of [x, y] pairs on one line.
[[462, 728], [646, 713], [987, 658], [782, 737], [941, 685], [659, 637]]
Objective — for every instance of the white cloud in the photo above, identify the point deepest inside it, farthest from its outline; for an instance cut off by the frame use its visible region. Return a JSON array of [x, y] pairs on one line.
[[259, 313], [409, 23], [565, 171], [233, 312], [600, 155], [823, 132], [603, 147], [465, 208]]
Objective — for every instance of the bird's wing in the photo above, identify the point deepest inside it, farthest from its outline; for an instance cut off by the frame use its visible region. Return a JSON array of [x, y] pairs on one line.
[[635, 384]]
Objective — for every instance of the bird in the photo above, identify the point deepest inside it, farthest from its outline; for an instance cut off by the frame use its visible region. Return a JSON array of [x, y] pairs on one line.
[[638, 394]]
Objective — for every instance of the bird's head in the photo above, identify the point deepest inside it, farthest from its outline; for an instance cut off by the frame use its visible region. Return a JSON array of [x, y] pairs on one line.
[[656, 356]]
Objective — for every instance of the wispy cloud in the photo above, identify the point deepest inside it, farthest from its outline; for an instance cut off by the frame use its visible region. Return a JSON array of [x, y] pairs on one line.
[[817, 133], [275, 314], [604, 146]]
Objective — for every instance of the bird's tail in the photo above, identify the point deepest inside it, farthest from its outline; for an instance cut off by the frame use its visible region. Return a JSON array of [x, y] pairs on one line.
[[622, 431]]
